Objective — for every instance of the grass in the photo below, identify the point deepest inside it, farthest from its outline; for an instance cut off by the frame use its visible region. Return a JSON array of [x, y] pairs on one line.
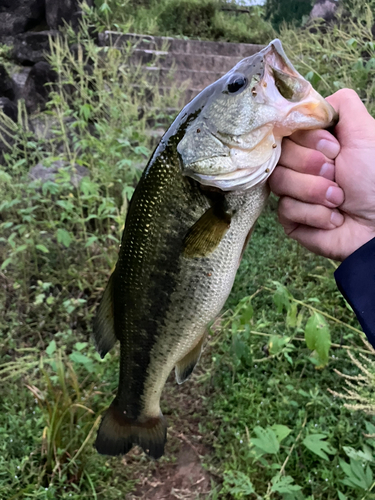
[[262, 405], [263, 375], [203, 19]]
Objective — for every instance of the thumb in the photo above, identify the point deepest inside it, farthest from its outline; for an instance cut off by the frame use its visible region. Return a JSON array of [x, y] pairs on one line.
[[355, 123]]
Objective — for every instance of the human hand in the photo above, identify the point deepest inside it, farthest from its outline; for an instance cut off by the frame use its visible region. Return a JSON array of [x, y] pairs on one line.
[[327, 185]]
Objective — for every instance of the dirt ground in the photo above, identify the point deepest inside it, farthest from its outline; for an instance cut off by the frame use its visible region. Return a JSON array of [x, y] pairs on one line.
[[180, 474]]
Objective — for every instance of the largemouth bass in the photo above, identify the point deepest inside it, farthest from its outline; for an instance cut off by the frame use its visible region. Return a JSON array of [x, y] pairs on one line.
[[188, 224]]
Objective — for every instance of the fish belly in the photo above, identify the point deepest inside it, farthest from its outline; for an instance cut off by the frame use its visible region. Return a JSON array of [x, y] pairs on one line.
[[202, 288]]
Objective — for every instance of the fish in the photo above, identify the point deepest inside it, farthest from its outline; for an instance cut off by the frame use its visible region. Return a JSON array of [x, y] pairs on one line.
[[187, 226]]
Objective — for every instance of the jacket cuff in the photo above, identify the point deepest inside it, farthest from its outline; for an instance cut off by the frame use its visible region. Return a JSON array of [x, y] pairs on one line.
[[355, 279]]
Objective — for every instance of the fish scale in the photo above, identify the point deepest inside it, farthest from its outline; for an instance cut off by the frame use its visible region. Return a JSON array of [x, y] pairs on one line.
[[188, 223], [203, 287]]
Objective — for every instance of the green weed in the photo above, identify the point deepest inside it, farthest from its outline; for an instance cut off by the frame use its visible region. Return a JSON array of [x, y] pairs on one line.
[[207, 19], [276, 430]]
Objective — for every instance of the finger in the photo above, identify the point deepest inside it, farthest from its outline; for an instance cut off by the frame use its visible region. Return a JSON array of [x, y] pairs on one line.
[[306, 188], [306, 160], [355, 122], [320, 140], [335, 244], [318, 241], [292, 212]]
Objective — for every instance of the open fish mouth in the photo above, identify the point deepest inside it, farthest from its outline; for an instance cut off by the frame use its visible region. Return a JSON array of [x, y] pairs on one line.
[[282, 86]]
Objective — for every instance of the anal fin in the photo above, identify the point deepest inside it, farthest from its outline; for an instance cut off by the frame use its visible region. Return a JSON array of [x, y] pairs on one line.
[[104, 325], [184, 368], [117, 434]]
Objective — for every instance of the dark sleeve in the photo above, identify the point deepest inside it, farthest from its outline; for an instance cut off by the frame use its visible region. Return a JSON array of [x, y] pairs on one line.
[[355, 278]]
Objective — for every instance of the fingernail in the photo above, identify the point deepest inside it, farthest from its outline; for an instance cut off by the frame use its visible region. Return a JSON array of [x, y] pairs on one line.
[[328, 171], [337, 219], [334, 195], [329, 148]]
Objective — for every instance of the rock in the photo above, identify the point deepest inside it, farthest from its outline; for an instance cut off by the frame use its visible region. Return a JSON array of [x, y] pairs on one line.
[[324, 9], [44, 126], [19, 80], [38, 86], [44, 174], [9, 108], [31, 47], [6, 84], [58, 11], [18, 16]]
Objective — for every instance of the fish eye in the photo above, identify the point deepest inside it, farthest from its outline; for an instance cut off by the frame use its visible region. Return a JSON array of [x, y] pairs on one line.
[[237, 83]]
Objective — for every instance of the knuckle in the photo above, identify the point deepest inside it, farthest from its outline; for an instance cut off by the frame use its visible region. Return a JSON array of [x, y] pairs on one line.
[[312, 161], [347, 94], [286, 205], [316, 190], [304, 218]]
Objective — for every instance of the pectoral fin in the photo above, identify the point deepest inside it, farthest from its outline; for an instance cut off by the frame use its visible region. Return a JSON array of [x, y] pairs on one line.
[[207, 232], [185, 367], [104, 326]]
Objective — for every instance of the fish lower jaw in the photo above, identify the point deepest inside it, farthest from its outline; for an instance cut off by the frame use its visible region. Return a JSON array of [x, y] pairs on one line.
[[241, 179]]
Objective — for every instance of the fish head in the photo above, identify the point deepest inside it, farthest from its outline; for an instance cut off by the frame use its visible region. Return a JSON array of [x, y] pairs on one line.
[[234, 140]]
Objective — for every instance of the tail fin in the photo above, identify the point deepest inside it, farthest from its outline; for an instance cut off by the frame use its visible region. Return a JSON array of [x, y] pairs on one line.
[[117, 434]]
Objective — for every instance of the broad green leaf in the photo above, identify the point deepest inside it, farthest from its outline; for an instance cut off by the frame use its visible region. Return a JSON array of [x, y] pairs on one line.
[[371, 431], [91, 240], [341, 496], [291, 316], [283, 484], [318, 337], [39, 299], [313, 78], [246, 314], [352, 43], [63, 237], [266, 440], [366, 454], [5, 178], [238, 483], [51, 348], [6, 263], [240, 348], [281, 431], [81, 359], [281, 297], [42, 248], [80, 345], [315, 443], [20, 248], [357, 476], [277, 343], [370, 428], [85, 111]]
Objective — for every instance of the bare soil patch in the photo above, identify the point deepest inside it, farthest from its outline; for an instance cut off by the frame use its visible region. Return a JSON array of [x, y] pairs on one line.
[[180, 474]]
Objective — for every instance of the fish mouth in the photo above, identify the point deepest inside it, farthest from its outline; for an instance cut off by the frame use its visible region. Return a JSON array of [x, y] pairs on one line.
[[243, 178], [299, 104]]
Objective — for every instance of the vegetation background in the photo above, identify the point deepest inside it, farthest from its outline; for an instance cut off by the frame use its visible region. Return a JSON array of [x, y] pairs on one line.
[[266, 404]]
